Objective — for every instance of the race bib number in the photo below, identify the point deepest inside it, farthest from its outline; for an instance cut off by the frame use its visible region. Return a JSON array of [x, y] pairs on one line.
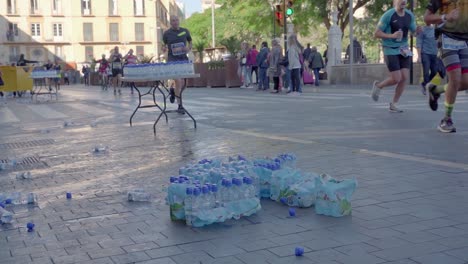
[[452, 44], [178, 49]]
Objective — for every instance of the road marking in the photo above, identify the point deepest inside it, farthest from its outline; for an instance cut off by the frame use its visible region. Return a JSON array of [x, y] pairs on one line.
[[7, 116], [449, 164], [46, 112], [89, 109]]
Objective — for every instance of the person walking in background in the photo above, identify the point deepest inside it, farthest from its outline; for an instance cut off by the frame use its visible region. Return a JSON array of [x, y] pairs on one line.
[[116, 61], [426, 45], [274, 69], [66, 77], [263, 83], [452, 20], [315, 64], [103, 65], [358, 55], [294, 64], [252, 61], [393, 29], [56, 80], [307, 52], [129, 60], [245, 69]]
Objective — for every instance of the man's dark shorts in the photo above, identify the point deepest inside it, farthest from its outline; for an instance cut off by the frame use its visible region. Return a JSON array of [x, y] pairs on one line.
[[397, 62], [116, 72], [177, 58]]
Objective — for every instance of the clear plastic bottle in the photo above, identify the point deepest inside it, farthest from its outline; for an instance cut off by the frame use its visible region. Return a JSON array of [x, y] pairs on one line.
[[237, 189], [196, 204], [206, 198], [138, 196], [32, 198], [6, 217], [188, 202], [401, 36], [215, 196]]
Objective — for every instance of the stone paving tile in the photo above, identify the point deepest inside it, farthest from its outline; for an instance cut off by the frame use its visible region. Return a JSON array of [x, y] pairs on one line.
[[461, 253], [420, 236], [71, 258], [130, 258], [260, 257], [294, 259], [43, 260], [28, 250], [355, 249], [448, 231], [256, 245], [193, 257], [158, 261], [97, 261], [73, 250], [140, 247], [438, 258], [409, 251], [109, 243], [164, 252], [107, 252]]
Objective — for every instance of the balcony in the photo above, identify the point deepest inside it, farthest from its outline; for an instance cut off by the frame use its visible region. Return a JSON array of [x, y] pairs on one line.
[[35, 12], [57, 13], [86, 12]]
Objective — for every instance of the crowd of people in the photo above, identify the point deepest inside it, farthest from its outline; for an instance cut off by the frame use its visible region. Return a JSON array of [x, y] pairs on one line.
[[288, 72]]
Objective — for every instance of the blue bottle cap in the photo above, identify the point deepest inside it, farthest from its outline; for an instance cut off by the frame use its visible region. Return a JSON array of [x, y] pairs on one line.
[[205, 189], [196, 191], [189, 191], [214, 188], [292, 212], [8, 201], [181, 178], [172, 179], [228, 184], [69, 195], [30, 227], [245, 179], [299, 251], [283, 200]]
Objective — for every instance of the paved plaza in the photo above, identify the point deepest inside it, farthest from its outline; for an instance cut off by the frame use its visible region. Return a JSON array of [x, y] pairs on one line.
[[410, 205]]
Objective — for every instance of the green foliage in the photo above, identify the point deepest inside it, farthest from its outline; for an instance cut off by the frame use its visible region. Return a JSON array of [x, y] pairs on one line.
[[200, 47], [145, 59], [213, 65], [232, 44]]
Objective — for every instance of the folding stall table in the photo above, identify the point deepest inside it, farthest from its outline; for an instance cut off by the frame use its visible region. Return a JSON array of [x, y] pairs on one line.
[[158, 84]]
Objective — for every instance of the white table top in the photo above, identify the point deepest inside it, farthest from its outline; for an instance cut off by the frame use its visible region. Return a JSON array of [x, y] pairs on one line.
[[152, 79]]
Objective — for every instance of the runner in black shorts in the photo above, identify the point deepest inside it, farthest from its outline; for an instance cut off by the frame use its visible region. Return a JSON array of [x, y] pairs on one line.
[[177, 43], [451, 18], [393, 29], [115, 60]]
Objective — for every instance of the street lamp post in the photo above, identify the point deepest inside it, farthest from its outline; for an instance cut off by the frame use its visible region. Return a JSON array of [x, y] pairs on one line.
[[351, 42], [213, 23]]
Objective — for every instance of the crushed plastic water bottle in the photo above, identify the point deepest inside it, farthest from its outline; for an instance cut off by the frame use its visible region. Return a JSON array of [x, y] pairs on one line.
[[6, 217], [25, 175], [45, 131], [3, 166], [68, 123], [32, 198], [93, 124], [100, 149], [138, 195]]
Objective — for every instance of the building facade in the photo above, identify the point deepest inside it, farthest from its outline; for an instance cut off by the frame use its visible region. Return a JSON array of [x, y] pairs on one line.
[[80, 30]]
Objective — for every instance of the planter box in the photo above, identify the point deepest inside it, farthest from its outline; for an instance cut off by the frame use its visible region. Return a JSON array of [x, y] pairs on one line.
[[216, 76], [94, 78], [232, 78], [202, 69]]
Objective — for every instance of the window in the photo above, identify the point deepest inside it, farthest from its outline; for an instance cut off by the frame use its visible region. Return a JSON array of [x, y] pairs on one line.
[[34, 7], [58, 51], [88, 31], [11, 7], [14, 53], [139, 7], [86, 7], [140, 51], [113, 8], [114, 32], [57, 29], [35, 30], [56, 7], [89, 53], [139, 31], [12, 31]]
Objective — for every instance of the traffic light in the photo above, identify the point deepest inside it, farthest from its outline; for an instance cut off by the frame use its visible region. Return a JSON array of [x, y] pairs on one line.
[[289, 9], [279, 15]]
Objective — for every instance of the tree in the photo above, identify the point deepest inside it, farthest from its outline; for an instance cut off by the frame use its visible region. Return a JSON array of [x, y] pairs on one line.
[[200, 47]]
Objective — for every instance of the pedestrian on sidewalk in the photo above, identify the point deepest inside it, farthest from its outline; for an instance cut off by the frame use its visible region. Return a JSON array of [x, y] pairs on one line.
[[452, 32], [263, 83], [426, 45], [245, 68], [393, 29], [252, 61], [294, 64], [274, 69], [315, 64]]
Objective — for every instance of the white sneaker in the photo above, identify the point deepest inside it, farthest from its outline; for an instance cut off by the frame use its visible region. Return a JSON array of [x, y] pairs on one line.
[[375, 92], [394, 109]]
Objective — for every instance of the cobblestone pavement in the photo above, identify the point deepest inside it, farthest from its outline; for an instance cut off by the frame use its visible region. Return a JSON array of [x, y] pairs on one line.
[[410, 205]]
